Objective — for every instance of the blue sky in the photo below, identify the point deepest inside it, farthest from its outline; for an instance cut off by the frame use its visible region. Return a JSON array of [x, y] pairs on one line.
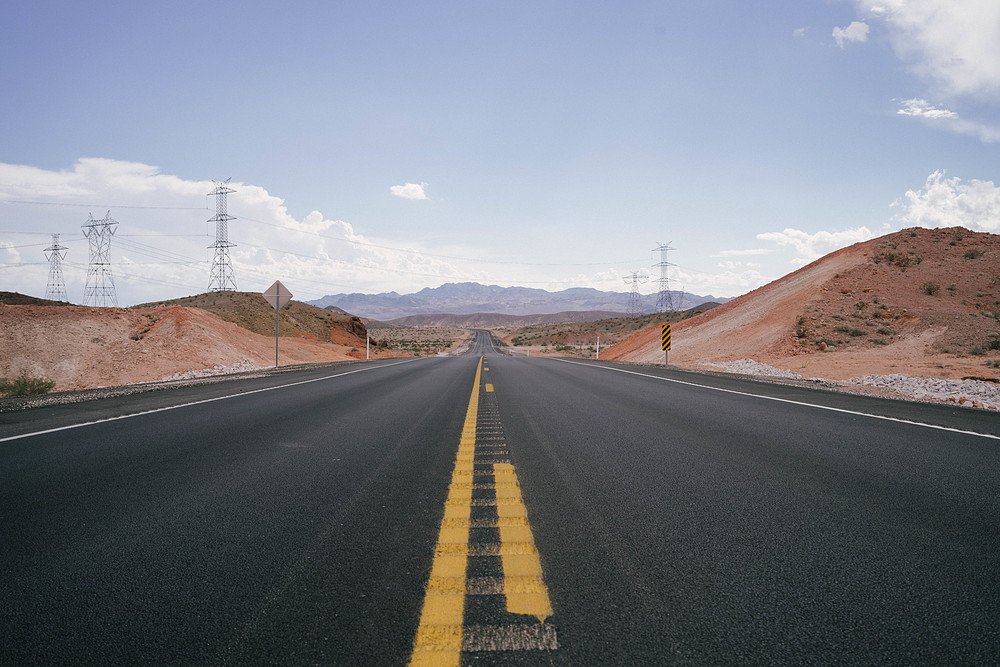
[[392, 146]]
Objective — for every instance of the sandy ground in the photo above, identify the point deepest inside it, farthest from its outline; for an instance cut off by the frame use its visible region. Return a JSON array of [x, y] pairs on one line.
[[79, 347]]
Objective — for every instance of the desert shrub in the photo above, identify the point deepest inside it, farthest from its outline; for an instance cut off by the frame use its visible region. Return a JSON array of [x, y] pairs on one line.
[[886, 331], [912, 234], [973, 253], [993, 363], [930, 288], [850, 331], [977, 351], [993, 344], [801, 331], [878, 341], [25, 385]]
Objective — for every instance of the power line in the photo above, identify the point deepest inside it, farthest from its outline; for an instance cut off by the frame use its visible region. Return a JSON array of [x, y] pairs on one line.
[[368, 244], [99, 206]]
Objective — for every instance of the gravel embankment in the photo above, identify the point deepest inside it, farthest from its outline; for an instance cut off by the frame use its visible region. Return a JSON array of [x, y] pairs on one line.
[[968, 393]]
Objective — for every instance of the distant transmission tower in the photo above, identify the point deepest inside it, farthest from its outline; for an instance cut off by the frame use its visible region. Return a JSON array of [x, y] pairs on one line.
[[100, 290], [634, 299], [222, 265], [665, 300], [55, 253]]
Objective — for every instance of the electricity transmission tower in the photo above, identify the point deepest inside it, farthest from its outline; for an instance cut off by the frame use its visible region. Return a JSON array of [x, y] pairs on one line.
[[55, 253], [634, 299], [100, 290], [665, 300], [222, 265]]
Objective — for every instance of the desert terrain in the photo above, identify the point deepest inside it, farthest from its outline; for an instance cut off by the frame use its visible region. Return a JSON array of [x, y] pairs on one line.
[[79, 347], [919, 302]]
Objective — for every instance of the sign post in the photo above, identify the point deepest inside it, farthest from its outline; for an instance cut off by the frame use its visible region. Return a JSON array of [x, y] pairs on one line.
[[666, 344], [277, 295]]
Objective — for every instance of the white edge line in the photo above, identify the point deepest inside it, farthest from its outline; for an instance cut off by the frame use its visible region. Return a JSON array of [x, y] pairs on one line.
[[201, 402], [785, 400]]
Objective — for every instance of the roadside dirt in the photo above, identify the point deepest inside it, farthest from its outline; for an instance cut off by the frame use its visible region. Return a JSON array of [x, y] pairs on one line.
[[80, 348]]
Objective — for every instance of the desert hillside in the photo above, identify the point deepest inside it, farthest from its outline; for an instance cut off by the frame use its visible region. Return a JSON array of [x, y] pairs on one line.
[[251, 311], [921, 301], [79, 347]]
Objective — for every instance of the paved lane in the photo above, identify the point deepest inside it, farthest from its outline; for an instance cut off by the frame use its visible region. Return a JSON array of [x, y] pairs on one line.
[[571, 513], [289, 526], [679, 525]]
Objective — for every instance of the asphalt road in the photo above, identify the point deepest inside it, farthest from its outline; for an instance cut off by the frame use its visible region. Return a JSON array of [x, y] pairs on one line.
[[293, 520]]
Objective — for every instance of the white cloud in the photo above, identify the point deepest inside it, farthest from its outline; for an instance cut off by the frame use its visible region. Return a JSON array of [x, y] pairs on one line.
[[955, 44], [949, 120], [857, 31], [800, 32], [161, 249], [409, 191], [948, 202], [923, 109], [813, 246]]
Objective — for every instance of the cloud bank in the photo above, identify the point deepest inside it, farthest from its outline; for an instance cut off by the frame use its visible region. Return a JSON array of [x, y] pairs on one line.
[[953, 44], [950, 202], [810, 247], [161, 248]]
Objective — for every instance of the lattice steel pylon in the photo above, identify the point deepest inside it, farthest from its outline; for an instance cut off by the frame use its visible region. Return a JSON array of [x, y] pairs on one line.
[[55, 253], [664, 299], [634, 299], [100, 290], [222, 277]]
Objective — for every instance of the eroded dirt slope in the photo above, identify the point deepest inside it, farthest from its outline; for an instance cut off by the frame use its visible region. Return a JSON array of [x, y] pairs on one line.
[[79, 347], [920, 301]]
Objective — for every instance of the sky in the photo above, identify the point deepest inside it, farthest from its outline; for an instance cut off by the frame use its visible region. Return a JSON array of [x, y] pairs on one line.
[[391, 146]]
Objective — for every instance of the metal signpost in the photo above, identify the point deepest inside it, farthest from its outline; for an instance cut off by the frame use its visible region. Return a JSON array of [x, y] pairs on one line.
[[277, 295], [666, 344]]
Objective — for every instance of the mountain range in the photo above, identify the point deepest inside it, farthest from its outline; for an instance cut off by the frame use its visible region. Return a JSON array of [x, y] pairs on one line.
[[467, 298]]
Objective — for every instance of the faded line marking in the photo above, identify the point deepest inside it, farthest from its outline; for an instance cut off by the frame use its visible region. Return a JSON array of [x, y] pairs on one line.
[[439, 635], [489, 388], [510, 637]]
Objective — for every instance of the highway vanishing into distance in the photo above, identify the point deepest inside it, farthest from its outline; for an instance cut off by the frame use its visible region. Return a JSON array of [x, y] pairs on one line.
[[499, 510]]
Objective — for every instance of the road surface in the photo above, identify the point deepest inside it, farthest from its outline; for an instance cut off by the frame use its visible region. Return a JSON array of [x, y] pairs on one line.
[[594, 514]]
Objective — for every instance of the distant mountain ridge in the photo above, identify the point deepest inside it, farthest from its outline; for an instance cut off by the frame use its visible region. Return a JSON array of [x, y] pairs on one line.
[[470, 298]]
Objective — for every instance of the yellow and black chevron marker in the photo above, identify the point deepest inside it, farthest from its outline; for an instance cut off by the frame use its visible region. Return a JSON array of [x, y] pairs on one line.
[[666, 337]]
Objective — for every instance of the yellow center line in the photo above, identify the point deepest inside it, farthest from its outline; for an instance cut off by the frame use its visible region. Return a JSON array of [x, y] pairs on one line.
[[442, 634], [439, 635], [519, 563]]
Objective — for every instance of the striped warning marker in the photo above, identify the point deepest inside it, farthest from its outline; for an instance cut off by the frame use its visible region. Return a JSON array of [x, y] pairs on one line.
[[666, 337]]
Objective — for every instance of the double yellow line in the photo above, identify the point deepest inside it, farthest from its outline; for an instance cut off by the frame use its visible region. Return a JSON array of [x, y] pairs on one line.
[[441, 633]]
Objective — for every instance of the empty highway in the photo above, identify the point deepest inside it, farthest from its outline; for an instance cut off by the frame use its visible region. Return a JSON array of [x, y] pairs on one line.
[[498, 510]]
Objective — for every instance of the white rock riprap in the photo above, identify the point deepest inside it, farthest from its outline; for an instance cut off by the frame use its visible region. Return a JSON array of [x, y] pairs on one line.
[[241, 367], [970, 393], [751, 367]]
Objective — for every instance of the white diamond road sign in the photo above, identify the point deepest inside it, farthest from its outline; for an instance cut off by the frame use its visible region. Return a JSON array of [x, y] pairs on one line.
[[277, 295]]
